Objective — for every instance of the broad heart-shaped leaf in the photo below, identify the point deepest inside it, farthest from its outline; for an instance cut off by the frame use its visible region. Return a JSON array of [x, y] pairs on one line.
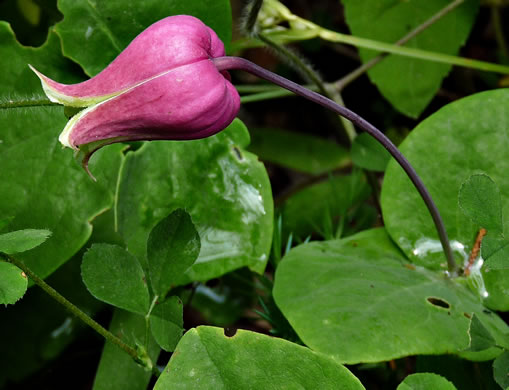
[[41, 185], [369, 154], [207, 359], [362, 302], [463, 138], [172, 247], [167, 323], [479, 198], [301, 152], [117, 370], [225, 190], [16, 78], [425, 381], [409, 84], [13, 283], [22, 240], [114, 276], [94, 32], [501, 370]]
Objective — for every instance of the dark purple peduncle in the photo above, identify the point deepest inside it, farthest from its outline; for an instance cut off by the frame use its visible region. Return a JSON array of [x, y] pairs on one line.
[[228, 63]]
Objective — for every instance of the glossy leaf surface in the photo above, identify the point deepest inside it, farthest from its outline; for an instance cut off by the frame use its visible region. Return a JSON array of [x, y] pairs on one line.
[[94, 32], [409, 84], [13, 283], [172, 247], [362, 302], [114, 276], [46, 189], [224, 189], [466, 137], [22, 240], [207, 359]]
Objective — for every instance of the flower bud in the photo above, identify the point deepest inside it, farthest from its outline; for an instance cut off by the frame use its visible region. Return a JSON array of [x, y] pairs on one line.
[[163, 86]]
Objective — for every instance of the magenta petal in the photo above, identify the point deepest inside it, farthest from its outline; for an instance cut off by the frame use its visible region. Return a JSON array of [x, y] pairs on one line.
[[167, 44], [189, 102]]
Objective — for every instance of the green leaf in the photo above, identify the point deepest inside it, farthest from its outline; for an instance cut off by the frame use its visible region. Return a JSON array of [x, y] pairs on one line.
[[117, 370], [501, 370], [16, 78], [94, 32], [172, 247], [167, 323], [306, 211], [409, 84], [207, 359], [425, 382], [300, 152], [114, 276], [364, 303], [465, 137], [22, 240], [13, 283], [479, 199], [41, 185], [480, 337], [495, 252], [225, 189], [367, 153]]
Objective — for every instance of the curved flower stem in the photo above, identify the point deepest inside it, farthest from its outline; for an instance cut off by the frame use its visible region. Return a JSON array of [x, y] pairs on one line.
[[79, 313], [226, 63]]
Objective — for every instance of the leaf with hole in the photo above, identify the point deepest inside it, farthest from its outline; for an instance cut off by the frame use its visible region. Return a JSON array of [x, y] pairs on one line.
[[114, 276], [22, 240], [167, 323], [466, 137], [172, 247], [364, 302], [13, 283], [207, 359], [425, 381]]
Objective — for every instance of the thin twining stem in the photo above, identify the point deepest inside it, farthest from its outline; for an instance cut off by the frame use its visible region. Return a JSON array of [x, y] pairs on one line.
[[355, 74], [82, 315], [226, 63]]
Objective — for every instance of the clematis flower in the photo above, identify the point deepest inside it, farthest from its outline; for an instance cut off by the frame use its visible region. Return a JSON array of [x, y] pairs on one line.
[[163, 86]]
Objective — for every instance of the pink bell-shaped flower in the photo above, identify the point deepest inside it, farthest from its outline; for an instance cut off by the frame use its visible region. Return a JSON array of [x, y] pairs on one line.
[[163, 86]]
